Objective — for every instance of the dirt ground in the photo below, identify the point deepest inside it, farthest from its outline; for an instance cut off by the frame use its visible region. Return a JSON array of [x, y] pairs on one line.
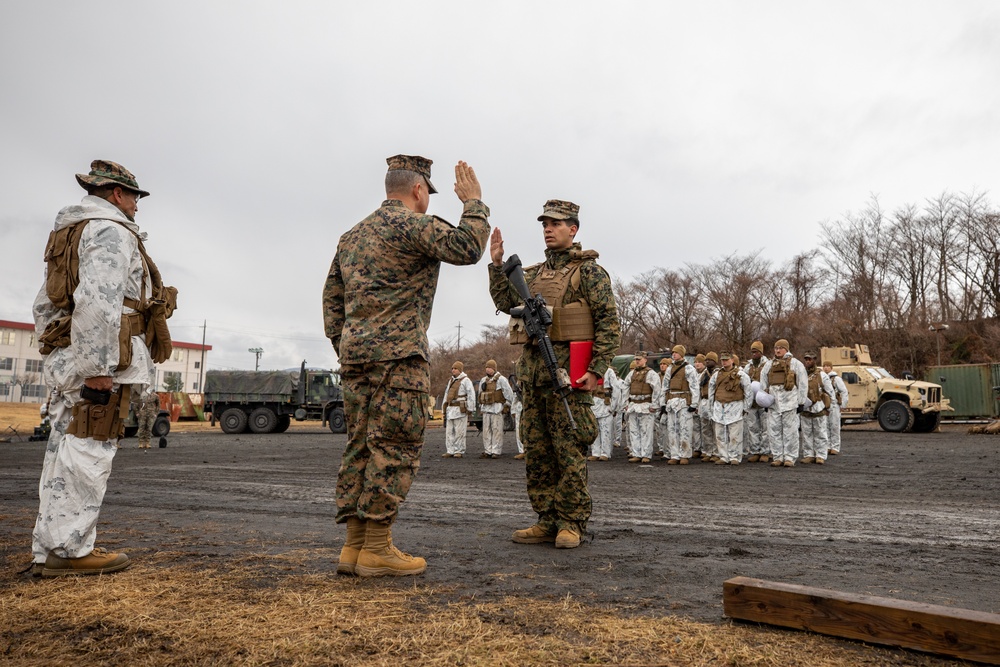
[[908, 516]]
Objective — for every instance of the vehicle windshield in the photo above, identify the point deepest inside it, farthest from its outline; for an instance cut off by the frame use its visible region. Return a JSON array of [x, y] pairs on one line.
[[879, 373]]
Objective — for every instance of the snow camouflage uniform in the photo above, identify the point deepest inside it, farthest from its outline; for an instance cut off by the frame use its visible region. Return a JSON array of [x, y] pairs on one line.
[[493, 412], [814, 433], [840, 399], [755, 423], [680, 420], [110, 271], [376, 308], [641, 409], [456, 412], [603, 407], [148, 410], [727, 415], [555, 455], [783, 418]]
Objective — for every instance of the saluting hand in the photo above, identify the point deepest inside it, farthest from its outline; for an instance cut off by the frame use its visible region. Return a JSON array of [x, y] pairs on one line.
[[466, 184], [496, 247]]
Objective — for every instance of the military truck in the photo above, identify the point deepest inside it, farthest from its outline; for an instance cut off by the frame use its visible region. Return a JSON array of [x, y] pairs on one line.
[[874, 393], [161, 426], [267, 401]]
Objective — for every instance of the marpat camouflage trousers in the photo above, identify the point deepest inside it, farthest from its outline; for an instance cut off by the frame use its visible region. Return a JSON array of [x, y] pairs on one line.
[[386, 407], [556, 456], [146, 418]]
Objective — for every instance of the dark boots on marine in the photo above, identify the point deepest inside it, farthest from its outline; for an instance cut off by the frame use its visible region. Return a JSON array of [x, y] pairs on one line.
[[352, 546], [379, 558]]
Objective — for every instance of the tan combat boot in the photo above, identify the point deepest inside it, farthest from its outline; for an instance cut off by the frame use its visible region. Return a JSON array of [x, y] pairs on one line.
[[534, 535], [379, 558], [568, 538], [97, 561], [352, 545]]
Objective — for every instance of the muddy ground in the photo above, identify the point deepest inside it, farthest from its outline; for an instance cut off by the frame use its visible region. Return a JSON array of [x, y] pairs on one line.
[[911, 516]]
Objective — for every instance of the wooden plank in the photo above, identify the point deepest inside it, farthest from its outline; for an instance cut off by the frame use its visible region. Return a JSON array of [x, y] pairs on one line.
[[961, 633]]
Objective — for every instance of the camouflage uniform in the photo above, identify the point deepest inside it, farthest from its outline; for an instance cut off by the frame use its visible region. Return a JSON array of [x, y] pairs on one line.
[[148, 410], [556, 466], [76, 469], [376, 308]]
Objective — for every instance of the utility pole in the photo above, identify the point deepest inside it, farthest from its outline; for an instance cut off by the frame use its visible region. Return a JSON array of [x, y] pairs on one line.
[[201, 375], [256, 351], [459, 327]]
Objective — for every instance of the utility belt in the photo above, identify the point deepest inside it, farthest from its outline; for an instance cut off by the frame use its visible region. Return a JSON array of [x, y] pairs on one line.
[[460, 404], [101, 422], [812, 415], [641, 398]]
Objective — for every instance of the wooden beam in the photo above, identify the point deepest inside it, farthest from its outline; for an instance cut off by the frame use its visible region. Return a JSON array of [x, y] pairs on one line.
[[970, 635]]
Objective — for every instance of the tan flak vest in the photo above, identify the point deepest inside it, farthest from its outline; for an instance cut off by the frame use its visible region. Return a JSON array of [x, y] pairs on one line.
[[679, 386], [781, 374], [490, 395], [755, 369], [639, 387], [453, 399], [706, 377], [572, 321], [727, 386], [62, 258], [816, 394]]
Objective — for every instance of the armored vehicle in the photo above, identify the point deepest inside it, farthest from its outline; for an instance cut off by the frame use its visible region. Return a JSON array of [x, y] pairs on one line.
[[874, 393], [267, 401]]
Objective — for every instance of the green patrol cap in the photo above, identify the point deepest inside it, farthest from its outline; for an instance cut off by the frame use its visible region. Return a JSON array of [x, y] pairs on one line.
[[416, 163]]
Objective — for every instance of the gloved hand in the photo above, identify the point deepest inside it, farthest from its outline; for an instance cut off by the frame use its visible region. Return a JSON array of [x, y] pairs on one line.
[[799, 407], [692, 409]]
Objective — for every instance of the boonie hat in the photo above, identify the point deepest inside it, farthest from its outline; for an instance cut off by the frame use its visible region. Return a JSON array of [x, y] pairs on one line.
[[559, 209], [416, 163], [105, 172]]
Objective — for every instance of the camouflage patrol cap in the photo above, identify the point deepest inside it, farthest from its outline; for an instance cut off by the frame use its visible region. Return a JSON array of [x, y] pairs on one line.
[[640, 353], [810, 355], [712, 356], [105, 172], [725, 355], [757, 345], [559, 209], [416, 163]]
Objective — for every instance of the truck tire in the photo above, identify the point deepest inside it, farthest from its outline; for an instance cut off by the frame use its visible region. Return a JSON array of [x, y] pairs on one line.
[[284, 421], [337, 420], [263, 420], [895, 416], [926, 422], [161, 426], [233, 420]]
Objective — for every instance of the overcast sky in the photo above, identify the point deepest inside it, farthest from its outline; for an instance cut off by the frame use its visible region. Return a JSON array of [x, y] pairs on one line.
[[261, 130]]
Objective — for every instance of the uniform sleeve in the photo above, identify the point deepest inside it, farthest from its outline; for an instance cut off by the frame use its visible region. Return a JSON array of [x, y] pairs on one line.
[[842, 388], [711, 388], [747, 392], [596, 285], [692, 378], [460, 245], [470, 394], [801, 380], [333, 303], [654, 381], [503, 293], [105, 252], [763, 375], [505, 387]]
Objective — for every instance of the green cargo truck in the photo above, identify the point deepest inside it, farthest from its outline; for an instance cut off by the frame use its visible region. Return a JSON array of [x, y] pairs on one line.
[[267, 401]]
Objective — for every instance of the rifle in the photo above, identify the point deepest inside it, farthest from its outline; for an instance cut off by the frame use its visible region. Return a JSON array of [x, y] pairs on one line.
[[537, 319]]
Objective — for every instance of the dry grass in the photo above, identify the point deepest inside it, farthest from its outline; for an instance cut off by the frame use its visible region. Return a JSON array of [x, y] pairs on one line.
[[22, 416], [175, 606]]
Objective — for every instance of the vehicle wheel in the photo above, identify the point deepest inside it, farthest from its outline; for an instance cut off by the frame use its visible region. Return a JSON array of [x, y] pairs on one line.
[[160, 427], [337, 421], [925, 423], [263, 420], [283, 423], [130, 431], [233, 420], [895, 416]]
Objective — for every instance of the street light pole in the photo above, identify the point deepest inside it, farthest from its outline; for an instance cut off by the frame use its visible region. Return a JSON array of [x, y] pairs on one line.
[[937, 328], [257, 352]]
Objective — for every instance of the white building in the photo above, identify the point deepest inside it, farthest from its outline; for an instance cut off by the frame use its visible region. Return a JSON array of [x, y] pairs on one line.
[[21, 365]]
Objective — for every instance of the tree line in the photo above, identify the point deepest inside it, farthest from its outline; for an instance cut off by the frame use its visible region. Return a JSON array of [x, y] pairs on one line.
[[888, 279]]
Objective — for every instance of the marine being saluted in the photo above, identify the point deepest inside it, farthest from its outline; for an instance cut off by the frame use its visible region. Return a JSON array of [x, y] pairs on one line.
[[101, 323], [376, 308], [579, 291]]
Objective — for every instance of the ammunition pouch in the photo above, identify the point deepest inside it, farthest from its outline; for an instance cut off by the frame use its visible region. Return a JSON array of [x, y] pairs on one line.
[[101, 422], [56, 334]]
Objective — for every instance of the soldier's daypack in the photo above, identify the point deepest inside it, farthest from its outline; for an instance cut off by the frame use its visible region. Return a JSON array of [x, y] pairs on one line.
[[62, 259]]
